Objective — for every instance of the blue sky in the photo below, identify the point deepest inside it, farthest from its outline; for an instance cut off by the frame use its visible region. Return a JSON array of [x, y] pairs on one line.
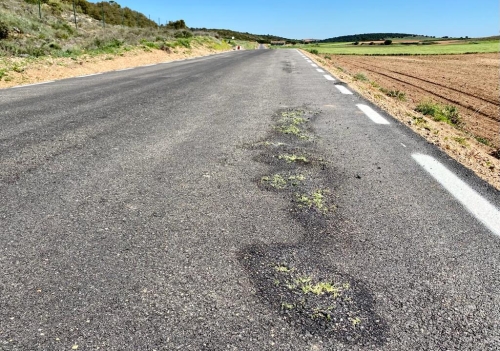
[[322, 19]]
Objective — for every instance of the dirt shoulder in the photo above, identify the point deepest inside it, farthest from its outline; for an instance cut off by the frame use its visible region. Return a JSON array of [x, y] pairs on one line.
[[460, 144], [30, 71]]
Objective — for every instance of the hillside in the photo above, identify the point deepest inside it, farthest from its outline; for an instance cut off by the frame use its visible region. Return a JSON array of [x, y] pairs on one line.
[[226, 33], [29, 31], [370, 37]]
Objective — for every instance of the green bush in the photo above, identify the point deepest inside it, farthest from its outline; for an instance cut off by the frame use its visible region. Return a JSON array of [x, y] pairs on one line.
[[400, 95], [388, 42], [183, 34], [314, 52], [361, 77], [441, 113]]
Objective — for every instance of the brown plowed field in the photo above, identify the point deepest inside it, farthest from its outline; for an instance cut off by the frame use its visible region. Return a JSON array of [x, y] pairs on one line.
[[469, 82]]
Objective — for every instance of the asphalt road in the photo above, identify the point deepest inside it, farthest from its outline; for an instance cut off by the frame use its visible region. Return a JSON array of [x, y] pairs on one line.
[[164, 208]]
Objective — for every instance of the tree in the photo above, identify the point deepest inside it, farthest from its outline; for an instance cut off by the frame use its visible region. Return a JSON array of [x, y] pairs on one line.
[[180, 24], [388, 42]]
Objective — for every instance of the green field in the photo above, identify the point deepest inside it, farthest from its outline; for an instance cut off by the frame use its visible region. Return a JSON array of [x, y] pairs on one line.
[[465, 47]]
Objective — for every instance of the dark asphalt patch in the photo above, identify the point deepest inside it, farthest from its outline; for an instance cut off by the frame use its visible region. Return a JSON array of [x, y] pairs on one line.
[[313, 297]]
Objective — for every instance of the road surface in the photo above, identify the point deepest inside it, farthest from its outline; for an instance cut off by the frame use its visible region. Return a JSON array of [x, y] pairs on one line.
[[242, 201]]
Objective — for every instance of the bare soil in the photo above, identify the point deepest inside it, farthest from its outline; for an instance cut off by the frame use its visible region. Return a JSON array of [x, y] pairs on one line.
[[468, 82], [47, 69]]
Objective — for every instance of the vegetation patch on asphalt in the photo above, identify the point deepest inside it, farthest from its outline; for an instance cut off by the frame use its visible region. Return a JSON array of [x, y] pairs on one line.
[[313, 297], [292, 280]]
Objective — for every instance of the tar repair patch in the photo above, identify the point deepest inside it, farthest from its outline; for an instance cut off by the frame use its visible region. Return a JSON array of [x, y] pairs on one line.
[[312, 296]]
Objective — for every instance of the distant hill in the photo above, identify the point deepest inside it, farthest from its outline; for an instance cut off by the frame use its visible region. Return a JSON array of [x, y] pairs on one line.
[[228, 34], [370, 37]]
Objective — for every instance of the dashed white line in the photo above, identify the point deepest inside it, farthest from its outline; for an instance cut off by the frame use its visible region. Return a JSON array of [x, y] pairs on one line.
[[124, 69], [329, 77], [372, 114], [478, 206], [309, 61], [314, 65], [153, 64], [31, 85], [344, 90], [403, 145], [320, 70]]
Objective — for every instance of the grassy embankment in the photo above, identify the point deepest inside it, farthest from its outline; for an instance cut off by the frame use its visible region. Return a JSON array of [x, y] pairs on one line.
[[26, 39]]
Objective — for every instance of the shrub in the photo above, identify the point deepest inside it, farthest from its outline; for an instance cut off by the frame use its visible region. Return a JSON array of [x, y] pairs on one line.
[[314, 52], [388, 42], [183, 34], [440, 113], [4, 30], [361, 77], [400, 95]]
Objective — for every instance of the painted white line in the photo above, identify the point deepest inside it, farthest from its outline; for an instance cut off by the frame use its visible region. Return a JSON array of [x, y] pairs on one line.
[[403, 145], [344, 90], [320, 70], [309, 61], [329, 77], [124, 69], [314, 65], [478, 206], [153, 64], [89, 75], [372, 114], [32, 85]]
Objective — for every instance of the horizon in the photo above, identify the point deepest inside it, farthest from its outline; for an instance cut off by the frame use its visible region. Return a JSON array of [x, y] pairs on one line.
[[320, 19]]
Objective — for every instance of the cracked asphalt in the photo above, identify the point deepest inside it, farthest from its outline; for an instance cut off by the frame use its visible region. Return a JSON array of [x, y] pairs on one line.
[[133, 217]]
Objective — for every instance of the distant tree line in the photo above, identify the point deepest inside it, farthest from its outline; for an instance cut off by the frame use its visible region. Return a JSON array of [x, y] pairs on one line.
[[368, 37]]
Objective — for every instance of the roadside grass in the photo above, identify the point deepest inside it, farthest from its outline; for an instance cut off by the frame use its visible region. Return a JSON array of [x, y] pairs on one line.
[[360, 77], [440, 113], [400, 95]]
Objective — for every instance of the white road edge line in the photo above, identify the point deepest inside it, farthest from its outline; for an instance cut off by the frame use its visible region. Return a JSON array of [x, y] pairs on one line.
[[89, 75], [329, 77], [309, 61], [314, 65], [32, 85], [344, 90], [124, 69], [320, 70], [372, 114], [478, 206]]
